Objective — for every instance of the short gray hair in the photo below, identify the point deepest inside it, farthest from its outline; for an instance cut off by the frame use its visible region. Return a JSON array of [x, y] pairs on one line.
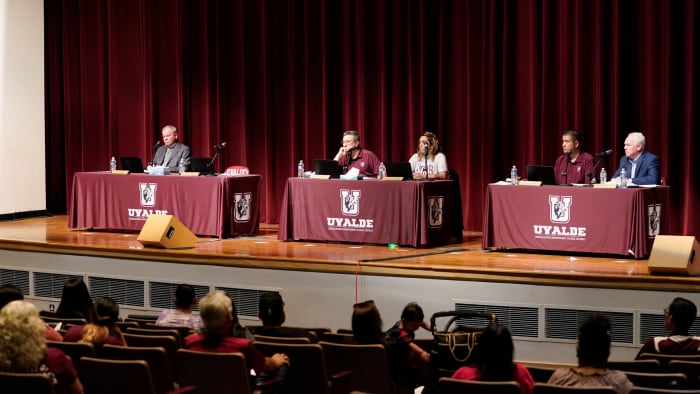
[[638, 138], [214, 308], [353, 133]]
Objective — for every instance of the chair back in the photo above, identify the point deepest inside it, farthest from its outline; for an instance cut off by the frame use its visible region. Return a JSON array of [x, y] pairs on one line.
[[166, 342], [183, 331], [65, 321], [157, 332], [35, 383], [125, 325], [648, 365], [541, 374], [220, 373], [658, 380], [649, 390], [458, 386], [665, 359], [74, 350], [544, 388], [336, 337], [115, 376], [157, 360], [368, 363], [307, 371], [266, 338], [691, 370]]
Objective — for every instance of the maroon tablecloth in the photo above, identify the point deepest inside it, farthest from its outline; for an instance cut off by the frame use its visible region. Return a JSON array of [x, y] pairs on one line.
[[577, 219], [368, 211], [220, 206]]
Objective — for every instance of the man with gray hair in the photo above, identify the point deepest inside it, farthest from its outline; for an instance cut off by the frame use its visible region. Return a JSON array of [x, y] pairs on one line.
[[643, 167], [216, 310]]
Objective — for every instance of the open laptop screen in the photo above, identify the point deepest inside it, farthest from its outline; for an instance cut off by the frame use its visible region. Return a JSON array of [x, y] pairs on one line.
[[399, 168], [327, 167], [541, 173], [132, 163], [201, 164]]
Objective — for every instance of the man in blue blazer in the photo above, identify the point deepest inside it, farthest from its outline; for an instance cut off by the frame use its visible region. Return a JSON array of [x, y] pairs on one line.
[[643, 167], [169, 154]]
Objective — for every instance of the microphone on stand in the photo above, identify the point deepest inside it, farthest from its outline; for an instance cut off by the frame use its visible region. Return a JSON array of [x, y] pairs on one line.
[[426, 150], [566, 169], [605, 153], [155, 149], [217, 148], [599, 156], [349, 159]]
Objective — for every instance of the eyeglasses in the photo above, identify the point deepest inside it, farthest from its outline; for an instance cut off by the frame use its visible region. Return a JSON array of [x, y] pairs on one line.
[[424, 143]]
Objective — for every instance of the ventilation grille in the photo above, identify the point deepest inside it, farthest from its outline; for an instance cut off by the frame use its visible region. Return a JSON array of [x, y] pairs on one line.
[[521, 321], [19, 279], [161, 294], [564, 324], [50, 285], [245, 300], [652, 325], [122, 291]]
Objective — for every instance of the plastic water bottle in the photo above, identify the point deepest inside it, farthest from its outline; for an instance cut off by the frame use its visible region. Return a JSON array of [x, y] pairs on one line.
[[514, 175], [382, 171], [181, 167], [623, 178], [603, 175], [300, 169], [113, 164]]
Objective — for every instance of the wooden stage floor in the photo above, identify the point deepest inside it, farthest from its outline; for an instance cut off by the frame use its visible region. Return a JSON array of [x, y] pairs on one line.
[[464, 261]]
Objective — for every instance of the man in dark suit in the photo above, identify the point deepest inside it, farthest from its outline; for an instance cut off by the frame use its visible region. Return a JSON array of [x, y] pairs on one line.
[[169, 154], [643, 167]]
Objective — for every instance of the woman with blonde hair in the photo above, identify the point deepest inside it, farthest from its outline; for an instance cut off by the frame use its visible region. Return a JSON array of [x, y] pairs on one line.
[[103, 330], [23, 348], [428, 162]]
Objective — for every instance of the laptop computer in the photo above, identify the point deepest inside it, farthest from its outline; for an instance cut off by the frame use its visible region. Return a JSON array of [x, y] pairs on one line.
[[201, 164], [541, 173], [327, 167], [399, 168], [132, 163]]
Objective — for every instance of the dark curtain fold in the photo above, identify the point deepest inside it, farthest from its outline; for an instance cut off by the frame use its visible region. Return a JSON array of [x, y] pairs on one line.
[[279, 80]]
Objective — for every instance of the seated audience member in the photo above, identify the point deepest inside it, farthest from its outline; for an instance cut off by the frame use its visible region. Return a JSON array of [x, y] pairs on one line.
[[437, 162], [407, 361], [103, 330], [679, 316], [216, 310], [593, 351], [494, 360], [24, 348], [76, 302], [185, 299], [352, 155], [9, 293], [271, 312], [367, 324], [574, 164], [642, 166]]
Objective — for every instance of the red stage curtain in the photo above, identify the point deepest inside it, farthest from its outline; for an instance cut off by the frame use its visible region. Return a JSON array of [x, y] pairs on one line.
[[279, 80]]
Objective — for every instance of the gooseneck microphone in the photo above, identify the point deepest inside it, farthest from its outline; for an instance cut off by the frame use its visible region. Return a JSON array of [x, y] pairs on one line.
[[217, 148], [426, 150], [605, 153], [155, 149]]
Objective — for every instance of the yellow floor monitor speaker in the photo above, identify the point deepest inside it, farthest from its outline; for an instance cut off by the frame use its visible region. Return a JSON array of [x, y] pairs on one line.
[[165, 231], [675, 254]]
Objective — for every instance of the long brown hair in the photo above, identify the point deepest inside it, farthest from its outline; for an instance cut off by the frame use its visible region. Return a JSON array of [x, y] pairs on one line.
[[105, 324], [433, 145]]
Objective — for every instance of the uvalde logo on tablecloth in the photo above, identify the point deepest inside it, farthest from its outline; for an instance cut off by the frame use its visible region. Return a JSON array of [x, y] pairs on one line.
[[435, 211], [560, 212], [242, 212], [654, 219], [147, 198], [350, 206]]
